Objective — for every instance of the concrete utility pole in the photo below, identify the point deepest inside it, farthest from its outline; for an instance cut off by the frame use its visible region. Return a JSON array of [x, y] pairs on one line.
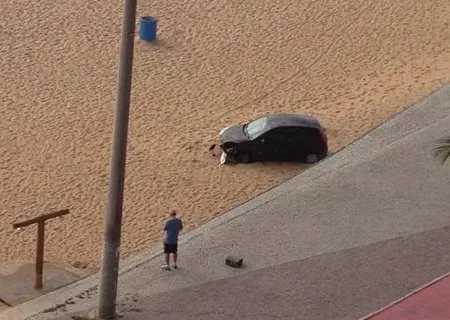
[[113, 219]]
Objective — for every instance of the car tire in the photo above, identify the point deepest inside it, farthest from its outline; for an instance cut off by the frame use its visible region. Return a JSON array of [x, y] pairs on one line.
[[243, 157], [312, 158]]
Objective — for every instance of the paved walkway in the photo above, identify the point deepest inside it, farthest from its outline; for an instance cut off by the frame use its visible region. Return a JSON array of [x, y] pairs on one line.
[[339, 241], [343, 285]]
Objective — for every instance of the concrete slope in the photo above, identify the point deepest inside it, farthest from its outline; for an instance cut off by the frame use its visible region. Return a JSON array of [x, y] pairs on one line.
[[342, 285], [383, 186]]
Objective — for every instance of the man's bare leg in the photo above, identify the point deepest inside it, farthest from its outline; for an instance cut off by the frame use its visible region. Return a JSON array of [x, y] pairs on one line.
[[168, 259], [175, 256], [167, 265]]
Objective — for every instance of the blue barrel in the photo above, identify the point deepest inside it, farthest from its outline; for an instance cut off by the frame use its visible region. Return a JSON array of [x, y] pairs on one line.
[[147, 28]]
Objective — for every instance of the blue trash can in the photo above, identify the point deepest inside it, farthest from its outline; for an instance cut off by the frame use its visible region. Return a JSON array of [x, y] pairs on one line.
[[147, 28]]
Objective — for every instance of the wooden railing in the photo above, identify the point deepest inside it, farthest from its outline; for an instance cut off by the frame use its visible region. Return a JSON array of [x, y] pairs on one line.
[[40, 221]]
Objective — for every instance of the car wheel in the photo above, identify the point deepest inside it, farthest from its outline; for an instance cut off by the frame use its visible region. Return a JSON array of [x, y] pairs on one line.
[[243, 157], [312, 158]]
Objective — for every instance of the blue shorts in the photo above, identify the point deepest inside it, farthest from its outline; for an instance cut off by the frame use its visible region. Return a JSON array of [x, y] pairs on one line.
[[170, 248]]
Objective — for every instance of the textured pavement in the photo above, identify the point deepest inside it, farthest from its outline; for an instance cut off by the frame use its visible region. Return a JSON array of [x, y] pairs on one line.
[[339, 241], [339, 285]]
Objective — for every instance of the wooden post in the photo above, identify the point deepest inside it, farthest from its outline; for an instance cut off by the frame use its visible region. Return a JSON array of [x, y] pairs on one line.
[[40, 221]]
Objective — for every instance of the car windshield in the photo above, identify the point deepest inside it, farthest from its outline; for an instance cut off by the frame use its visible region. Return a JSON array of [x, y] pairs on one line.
[[255, 128]]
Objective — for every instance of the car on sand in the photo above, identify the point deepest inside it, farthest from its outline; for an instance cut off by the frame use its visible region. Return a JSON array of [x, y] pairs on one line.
[[275, 137]]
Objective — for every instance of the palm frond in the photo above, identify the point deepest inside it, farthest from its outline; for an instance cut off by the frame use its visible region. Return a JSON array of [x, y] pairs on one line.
[[442, 150]]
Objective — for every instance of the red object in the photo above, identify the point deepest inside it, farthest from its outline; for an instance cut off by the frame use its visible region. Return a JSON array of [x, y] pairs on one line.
[[431, 302], [324, 137]]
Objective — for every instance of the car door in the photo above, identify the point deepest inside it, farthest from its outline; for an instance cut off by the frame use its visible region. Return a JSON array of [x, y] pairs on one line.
[[303, 141], [295, 143], [271, 146]]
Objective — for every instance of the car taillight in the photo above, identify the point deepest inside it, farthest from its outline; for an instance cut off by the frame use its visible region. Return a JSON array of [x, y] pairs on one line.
[[323, 135]]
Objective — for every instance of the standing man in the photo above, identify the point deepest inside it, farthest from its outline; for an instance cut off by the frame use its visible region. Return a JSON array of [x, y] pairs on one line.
[[172, 228]]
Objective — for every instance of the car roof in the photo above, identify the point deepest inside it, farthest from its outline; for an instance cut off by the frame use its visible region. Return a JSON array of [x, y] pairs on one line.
[[292, 120]]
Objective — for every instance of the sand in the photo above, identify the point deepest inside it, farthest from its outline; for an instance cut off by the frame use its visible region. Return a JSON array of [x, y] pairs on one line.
[[3, 307], [350, 63]]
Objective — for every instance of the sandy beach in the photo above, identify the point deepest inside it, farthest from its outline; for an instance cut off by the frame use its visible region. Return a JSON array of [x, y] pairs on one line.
[[350, 63]]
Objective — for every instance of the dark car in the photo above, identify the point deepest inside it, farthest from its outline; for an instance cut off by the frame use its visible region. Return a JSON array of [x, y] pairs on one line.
[[276, 137]]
